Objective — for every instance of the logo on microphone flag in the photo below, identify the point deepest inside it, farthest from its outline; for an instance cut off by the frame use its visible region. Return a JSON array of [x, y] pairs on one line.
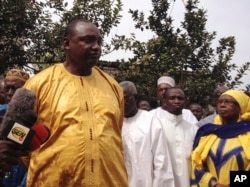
[[18, 133]]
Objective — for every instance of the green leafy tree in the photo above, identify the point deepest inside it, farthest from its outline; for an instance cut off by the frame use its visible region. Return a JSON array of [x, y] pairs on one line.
[[30, 34], [184, 53], [32, 31], [25, 30]]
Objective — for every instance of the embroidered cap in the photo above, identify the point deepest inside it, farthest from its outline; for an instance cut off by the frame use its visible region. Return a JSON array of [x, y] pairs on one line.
[[18, 74]]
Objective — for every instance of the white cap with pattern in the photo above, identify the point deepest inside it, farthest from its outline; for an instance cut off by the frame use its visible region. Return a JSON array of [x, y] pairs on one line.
[[167, 80]]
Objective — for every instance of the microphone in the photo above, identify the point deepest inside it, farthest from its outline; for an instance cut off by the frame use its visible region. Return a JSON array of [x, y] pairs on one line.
[[19, 119], [19, 130], [21, 102]]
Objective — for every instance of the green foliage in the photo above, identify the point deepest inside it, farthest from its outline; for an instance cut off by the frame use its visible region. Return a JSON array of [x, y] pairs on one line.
[[25, 31], [185, 54], [32, 31]]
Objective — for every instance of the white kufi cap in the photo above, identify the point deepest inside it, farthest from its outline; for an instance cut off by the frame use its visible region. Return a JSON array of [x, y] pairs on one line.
[[167, 80]]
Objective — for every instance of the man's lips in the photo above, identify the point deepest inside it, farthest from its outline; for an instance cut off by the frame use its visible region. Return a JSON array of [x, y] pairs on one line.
[[177, 105], [94, 55]]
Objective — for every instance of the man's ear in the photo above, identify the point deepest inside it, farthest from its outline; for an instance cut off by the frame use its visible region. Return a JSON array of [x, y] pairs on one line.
[[66, 43]]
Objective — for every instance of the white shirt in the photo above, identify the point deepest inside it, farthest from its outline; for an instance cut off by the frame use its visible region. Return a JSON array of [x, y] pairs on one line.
[[208, 119], [180, 135], [186, 114], [146, 153]]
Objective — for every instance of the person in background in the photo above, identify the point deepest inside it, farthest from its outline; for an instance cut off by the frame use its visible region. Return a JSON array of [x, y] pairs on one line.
[[83, 108], [144, 104], [2, 93], [215, 96], [14, 79], [197, 110], [3, 105], [163, 84], [223, 146], [180, 135], [146, 153]]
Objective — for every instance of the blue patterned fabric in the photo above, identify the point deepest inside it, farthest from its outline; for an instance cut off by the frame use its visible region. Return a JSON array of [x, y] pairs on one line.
[[15, 178], [222, 131]]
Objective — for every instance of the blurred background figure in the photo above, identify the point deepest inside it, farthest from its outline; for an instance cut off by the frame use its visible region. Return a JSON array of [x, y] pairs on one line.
[[197, 110], [14, 79], [2, 94], [144, 104], [214, 99]]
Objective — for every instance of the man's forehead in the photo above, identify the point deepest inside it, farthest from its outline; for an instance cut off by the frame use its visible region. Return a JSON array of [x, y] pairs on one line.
[[195, 106], [177, 91], [164, 85], [144, 102], [87, 29]]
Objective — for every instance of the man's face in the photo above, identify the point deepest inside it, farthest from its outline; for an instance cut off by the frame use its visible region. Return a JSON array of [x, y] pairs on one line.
[[161, 91], [216, 94], [129, 102], [10, 87], [196, 110], [84, 45], [144, 105], [174, 101]]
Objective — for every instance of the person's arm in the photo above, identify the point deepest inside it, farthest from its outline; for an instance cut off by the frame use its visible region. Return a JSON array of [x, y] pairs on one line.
[[204, 178], [10, 154], [163, 173]]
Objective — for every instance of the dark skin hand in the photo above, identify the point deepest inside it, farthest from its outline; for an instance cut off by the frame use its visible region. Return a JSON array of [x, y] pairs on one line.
[[10, 154]]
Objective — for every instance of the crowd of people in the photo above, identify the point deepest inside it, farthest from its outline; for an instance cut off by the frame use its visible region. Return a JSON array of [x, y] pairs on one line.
[[102, 135]]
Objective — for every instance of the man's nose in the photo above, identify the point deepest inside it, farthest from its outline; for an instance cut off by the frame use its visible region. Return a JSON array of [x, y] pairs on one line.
[[96, 45]]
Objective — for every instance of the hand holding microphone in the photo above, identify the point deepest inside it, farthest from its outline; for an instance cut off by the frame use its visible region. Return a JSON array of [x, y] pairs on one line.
[[18, 132], [20, 129], [18, 122]]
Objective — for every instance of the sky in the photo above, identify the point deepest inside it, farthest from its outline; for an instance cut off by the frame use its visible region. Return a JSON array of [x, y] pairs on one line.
[[226, 17]]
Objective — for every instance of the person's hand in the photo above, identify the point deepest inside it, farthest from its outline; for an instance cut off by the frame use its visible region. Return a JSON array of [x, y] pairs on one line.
[[9, 155]]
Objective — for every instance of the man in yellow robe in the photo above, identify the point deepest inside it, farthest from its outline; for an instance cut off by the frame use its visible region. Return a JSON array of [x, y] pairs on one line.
[[83, 108]]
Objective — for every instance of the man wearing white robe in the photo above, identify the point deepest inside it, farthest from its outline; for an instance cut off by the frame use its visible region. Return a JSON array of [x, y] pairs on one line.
[[163, 84], [180, 135], [145, 148]]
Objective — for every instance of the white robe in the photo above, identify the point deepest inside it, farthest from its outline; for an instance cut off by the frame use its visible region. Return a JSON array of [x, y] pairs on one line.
[[146, 153], [186, 114], [180, 135]]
